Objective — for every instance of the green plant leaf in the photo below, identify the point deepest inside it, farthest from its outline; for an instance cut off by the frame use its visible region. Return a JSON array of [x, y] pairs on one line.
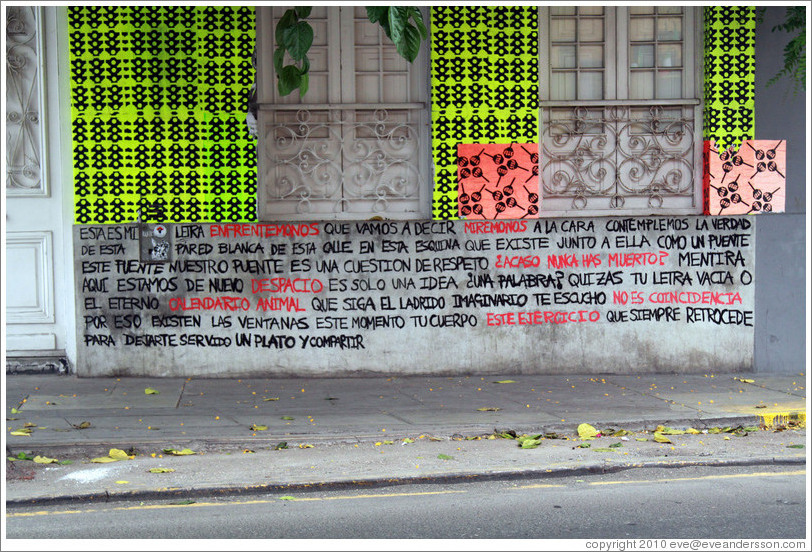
[[24, 456], [151, 391], [795, 446], [304, 84], [256, 427], [287, 20], [382, 18], [14, 411], [278, 61], [445, 457], [298, 39], [530, 443], [409, 44], [398, 17], [288, 79], [616, 445], [417, 17], [65, 462], [282, 445], [288, 418], [303, 11], [377, 13]]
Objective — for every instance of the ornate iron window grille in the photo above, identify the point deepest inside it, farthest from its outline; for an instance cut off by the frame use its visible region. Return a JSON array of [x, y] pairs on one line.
[[617, 151], [24, 170], [342, 159]]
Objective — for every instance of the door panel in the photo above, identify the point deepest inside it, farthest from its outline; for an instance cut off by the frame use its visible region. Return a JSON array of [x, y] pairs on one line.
[[38, 306]]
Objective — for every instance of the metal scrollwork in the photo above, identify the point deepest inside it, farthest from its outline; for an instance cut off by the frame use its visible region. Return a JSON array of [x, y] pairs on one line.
[[23, 132], [617, 152], [338, 157]]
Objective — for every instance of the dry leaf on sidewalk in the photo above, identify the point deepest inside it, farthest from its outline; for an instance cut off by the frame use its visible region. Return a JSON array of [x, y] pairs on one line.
[[175, 452], [660, 438], [586, 431], [45, 460]]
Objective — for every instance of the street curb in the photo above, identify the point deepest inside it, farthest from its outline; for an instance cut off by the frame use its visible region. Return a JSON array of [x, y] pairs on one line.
[[214, 444], [379, 482]]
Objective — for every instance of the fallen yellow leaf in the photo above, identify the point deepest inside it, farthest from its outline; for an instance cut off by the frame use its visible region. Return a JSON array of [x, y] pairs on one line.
[[161, 470], [119, 454], [45, 460], [489, 409], [151, 391], [586, 431], [184, 452], [104, 459], [22, 433], [660, 438]]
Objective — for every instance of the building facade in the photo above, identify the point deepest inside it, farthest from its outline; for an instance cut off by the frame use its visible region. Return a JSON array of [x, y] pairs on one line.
[[542, 190]]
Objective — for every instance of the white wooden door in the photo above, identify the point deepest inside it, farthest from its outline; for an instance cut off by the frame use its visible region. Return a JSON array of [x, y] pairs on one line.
[[38, 254]]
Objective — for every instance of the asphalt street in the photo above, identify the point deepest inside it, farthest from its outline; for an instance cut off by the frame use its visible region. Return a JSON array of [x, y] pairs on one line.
[[690, 503]]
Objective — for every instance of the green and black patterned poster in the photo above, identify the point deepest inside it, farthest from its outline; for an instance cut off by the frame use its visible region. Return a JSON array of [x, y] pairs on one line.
[[158, 107], [729, 46], [484, 86]]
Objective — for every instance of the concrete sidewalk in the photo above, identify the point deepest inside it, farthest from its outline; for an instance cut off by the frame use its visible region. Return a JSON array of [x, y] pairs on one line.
[[357, 427]]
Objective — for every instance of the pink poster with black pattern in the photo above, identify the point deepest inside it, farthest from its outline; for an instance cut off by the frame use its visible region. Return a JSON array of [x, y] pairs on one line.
[[498, 181], [749, 181]]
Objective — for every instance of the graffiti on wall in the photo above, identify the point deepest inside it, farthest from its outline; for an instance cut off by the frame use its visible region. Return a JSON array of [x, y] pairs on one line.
[[407, 292]]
